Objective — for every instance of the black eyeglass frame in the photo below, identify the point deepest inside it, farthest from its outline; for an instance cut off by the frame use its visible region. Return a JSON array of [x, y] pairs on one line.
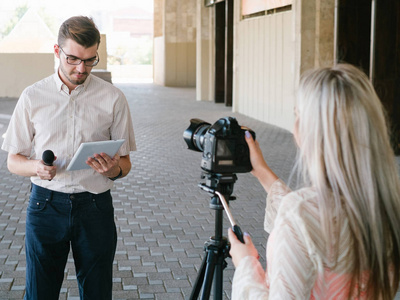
[[79, 60]]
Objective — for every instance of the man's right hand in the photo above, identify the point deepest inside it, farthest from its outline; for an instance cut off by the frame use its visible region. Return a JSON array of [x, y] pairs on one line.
[[45, 172], [20, 165]]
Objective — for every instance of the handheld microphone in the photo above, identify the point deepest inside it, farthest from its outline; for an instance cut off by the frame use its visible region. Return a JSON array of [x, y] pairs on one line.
[[48, 157]]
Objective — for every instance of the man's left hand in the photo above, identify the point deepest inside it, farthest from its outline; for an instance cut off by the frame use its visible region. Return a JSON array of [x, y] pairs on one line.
[[104, 164]]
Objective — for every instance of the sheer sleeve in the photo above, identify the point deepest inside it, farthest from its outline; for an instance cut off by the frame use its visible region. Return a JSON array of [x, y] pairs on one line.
[[292, 269], [249, 280], [277, 192], [291, 264]]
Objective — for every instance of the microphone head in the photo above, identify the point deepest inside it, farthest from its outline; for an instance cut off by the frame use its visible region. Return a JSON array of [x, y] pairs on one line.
[[48, 157]]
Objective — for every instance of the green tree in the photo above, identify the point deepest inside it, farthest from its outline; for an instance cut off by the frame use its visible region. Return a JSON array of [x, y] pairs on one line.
[[49, 20], [18, 14]]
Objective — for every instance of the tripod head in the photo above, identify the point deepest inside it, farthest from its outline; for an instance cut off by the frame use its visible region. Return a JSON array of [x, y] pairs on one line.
[[216, 203], [222, 183]]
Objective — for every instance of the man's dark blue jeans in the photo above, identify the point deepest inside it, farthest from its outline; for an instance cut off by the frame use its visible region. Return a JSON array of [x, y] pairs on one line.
[[55, 223]]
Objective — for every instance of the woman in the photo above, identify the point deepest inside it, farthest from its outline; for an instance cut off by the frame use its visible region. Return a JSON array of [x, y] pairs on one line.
[[339, 237]]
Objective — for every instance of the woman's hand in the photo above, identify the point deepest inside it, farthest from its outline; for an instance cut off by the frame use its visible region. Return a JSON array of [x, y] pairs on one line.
[[239, 250], [261, 170]]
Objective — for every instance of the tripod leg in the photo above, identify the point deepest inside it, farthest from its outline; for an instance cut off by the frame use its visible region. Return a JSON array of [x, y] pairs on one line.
[[199, 280], [218, 278], [205, 277], [209, 275]]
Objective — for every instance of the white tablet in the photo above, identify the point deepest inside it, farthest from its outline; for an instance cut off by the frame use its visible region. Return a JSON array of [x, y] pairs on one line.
[[87, 150]]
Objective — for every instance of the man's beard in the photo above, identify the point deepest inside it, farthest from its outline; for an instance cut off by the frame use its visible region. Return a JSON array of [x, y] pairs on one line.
[[68, 76]]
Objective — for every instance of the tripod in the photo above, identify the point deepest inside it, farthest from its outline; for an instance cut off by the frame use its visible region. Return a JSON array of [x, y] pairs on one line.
[[217, 247]]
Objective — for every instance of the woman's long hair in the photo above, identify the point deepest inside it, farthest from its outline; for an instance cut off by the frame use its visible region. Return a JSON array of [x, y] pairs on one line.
[[345, 150]]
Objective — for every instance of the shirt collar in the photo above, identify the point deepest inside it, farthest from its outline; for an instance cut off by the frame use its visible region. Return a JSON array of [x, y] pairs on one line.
[[62, 87]]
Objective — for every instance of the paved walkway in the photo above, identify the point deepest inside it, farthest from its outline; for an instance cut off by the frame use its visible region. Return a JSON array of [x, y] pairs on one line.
[[162, 217]]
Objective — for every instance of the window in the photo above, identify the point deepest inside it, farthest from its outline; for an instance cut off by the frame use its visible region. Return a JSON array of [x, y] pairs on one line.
[[262, 7]]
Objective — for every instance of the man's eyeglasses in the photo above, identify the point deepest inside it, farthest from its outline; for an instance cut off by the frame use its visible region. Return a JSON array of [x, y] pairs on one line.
[[73, 60]]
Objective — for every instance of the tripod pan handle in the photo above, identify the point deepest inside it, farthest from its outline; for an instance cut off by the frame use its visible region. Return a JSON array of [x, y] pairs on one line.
[[236, 229]]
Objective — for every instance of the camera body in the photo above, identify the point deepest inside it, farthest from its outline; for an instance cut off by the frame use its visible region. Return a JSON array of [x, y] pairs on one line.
[[223, 145]]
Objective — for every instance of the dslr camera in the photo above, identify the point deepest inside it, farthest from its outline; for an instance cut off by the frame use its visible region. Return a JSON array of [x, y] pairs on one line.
[[223, 145]]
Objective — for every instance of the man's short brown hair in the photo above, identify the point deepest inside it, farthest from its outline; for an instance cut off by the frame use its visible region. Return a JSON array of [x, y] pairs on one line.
[[81, 30]]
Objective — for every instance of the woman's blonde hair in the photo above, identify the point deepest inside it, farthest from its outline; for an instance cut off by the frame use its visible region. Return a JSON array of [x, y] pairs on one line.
[[345, 150]]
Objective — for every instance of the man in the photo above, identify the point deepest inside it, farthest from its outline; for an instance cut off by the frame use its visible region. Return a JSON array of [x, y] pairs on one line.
[[70, 209]]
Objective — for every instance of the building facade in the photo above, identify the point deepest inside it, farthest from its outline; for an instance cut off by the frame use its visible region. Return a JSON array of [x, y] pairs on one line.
[[250, 54]]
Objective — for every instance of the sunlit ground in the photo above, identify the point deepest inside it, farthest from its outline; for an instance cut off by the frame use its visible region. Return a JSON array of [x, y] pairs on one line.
[[132, 80], [131, 74]]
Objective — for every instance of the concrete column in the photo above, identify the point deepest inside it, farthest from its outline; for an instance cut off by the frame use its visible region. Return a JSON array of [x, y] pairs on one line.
[[175, 43], [317, 23], [158, 46], [205, 52], [102, 53]]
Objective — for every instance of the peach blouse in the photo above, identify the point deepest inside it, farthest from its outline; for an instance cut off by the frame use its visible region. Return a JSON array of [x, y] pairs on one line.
[[298, 266]]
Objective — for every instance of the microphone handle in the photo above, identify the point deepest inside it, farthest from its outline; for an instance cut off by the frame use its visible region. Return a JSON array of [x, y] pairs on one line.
[[48, 158]]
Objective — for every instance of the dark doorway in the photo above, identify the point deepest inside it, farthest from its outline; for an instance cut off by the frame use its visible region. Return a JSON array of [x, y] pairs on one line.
[[223, 50], [386, 75], [378, 54], [219, 94]]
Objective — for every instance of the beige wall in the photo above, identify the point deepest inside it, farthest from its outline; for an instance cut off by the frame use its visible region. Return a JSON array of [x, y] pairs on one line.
[[180, 64], [174, 63], [272, 51], [19, 70], [264, 70]]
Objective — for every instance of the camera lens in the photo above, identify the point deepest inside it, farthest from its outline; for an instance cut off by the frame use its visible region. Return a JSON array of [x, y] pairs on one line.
[[194, 134]]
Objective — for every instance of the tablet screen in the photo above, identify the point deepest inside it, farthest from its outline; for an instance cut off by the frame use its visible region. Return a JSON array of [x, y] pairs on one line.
[[87, 150]]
